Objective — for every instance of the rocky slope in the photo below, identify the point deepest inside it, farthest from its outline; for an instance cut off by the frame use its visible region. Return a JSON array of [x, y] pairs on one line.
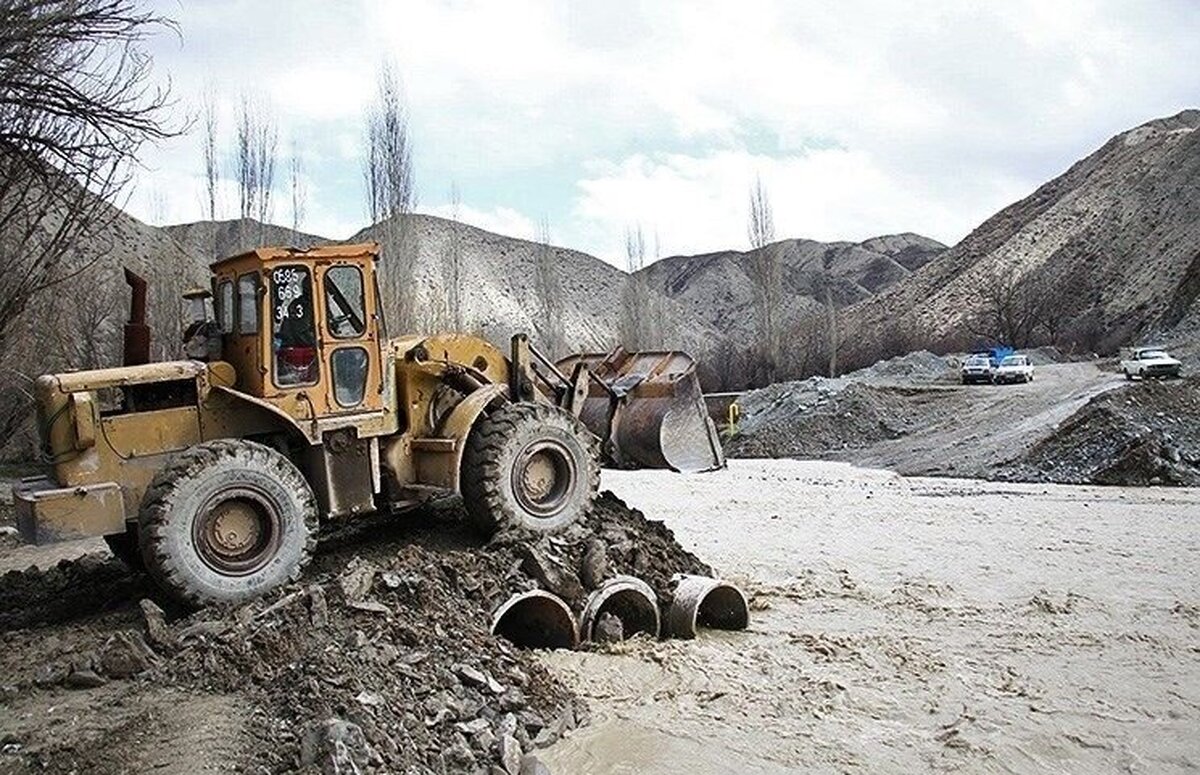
[[1115, 239], [500, 294], [717, 288]]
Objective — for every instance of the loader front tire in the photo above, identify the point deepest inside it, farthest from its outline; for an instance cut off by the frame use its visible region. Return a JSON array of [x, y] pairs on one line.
[[530, 466], [225, 522]]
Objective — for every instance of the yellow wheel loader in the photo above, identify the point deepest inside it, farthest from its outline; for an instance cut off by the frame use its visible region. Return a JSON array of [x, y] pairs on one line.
[[215, 473]]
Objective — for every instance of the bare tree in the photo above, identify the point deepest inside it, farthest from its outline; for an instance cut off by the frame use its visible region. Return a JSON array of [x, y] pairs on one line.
[[76, 104], [257, 147], [550, 293], [391, 195], [299, 187], [761, 223], [638, 319], [766, 275], [212, 167], [1010, 310]]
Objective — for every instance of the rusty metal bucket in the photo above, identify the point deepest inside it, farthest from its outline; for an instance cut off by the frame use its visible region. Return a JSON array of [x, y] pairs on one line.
[[648, 409]]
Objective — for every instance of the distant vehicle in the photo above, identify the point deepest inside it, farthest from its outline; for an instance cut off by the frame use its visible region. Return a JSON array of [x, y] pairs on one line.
[[976, 368], [1151, 362], [1014, 368], [998, 353]]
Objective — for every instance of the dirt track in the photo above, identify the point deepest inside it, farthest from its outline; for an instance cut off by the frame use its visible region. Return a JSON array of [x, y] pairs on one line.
[[911, 625], [935, 427]]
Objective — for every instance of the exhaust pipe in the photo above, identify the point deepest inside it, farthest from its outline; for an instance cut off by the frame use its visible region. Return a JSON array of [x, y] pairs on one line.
[[703, 602], [536, 620], [137, 333], [629, 599]]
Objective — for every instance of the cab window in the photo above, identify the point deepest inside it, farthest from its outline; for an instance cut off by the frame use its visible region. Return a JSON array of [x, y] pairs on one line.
[[344, 302], [293, 326], [349, 375], [247, 293], [225, 306]]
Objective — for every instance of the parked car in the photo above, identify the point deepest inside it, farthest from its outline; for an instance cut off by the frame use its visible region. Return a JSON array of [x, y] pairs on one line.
[[1150, 362], [1014, 368], [976, 368]]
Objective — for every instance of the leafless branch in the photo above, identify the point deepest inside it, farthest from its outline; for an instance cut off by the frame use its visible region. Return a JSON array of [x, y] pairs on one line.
[[76, 103]]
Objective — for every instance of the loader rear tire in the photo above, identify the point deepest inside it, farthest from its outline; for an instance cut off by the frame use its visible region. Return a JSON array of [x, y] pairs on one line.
[[225, 522], [531, 466]]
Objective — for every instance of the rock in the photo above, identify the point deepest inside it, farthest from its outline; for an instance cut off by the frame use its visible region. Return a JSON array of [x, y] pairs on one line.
[[459, 756], [155, 622], [51, 673], [357, 579], [531, 765], [507, 725], [85, 678], [594, 566], [513, 699], [608, 629], [336, 747], [473, 726], [510, 754], [471, 676], [318, 606], [370, 699], [484, 740], [205, 629], [560, 581], [125, 655]]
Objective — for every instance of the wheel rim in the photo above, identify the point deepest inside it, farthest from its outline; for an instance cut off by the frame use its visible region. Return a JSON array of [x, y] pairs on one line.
[[237, 532], [544, 477]]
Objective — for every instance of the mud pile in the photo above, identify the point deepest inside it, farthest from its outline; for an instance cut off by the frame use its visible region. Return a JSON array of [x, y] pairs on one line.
[[380, 659], [813, 418], [1148, 434]]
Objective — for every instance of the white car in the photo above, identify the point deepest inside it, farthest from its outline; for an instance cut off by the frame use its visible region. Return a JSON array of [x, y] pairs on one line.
[[977, 368], [1151, 362], [1014, 368]]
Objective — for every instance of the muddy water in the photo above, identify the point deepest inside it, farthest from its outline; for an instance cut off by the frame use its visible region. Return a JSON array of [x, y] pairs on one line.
[[911, 625]]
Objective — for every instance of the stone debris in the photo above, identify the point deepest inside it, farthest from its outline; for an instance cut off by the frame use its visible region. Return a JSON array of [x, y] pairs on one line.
[[379, 660], [1146, 434]]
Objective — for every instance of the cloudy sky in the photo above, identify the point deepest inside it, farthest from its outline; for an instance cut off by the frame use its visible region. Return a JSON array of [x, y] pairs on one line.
[[861, 118]]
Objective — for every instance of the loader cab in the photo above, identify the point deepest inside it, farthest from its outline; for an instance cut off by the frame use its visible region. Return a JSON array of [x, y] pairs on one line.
[[301, 328]]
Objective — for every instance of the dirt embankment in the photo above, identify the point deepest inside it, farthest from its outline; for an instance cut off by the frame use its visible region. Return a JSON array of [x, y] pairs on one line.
[[1147, 434], [910, 415], [381, 659]]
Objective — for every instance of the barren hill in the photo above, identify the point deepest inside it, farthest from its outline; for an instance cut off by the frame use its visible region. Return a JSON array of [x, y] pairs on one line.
[[717, 288], [210, 240], [1115, 241]]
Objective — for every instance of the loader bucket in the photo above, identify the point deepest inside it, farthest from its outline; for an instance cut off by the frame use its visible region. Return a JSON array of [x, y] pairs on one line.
[[648, 410]]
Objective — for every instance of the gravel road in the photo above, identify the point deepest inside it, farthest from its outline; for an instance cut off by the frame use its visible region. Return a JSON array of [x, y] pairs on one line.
[[929, 427], [910, 625]]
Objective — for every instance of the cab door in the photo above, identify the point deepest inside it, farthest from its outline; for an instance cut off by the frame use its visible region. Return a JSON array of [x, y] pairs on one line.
[[349, 338]]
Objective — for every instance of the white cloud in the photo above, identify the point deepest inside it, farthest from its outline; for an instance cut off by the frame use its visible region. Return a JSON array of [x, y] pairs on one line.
[[699, 203], [865, 116]]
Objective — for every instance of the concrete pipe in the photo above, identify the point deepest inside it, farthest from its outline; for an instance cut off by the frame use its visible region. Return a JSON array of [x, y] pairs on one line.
[[703, 602], [536, 620], [629, 599]]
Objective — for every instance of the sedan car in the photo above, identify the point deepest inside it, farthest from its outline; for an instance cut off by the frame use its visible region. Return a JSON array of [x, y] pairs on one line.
[[977, 368], [1014, 368], [1150, 362]]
